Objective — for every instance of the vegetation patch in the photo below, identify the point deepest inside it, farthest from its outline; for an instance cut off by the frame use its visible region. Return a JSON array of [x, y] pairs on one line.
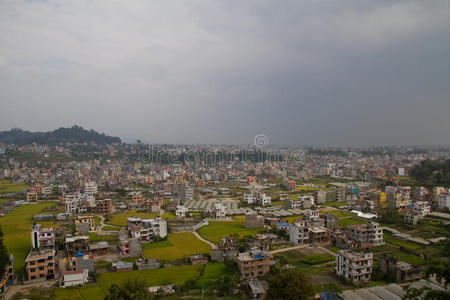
[[218, 230], [212, 271], [6, 187], [177, 246], [316, 259]]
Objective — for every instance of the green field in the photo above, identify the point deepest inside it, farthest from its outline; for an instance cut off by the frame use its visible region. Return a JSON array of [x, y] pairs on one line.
[[336, 204], [121, 219], [16, 231], [111, 239], [6, 187], [177, 275], [74, 293], [110, 228], [401, 243], [212, 271], [217, 230], [337, 213], [316, 259], [349, 221], [177, 246]]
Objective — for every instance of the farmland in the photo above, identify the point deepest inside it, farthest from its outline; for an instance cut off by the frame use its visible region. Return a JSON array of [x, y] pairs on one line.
[[177, 246], [121, 219], [16, 231], [6, 187], [217, 230]]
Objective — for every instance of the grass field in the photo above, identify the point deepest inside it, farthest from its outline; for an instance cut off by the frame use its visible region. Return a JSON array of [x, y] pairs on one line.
[[335, 204], [121, 219], [6, 187], [112, 228], [217, 230], [349, 221], [212, 272], [337, 213], [177, 246], [317, 259], [111, 239], [177, 275], [86, 293], [401, 243], [16, 231]]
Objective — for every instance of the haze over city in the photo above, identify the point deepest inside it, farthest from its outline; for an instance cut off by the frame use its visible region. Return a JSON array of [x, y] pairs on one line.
[[300, 72]]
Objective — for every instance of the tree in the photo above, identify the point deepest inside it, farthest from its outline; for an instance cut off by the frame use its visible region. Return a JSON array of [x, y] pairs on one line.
[[290, 285], [441, 270], [4, 257], [130, 289]]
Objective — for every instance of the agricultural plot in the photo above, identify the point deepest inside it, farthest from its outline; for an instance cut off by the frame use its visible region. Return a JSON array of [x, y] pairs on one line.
[[6, 187], [212, 271], [16, 231], [218, 230], [177, 275], [177, 246], [121, 219], [86, 293]]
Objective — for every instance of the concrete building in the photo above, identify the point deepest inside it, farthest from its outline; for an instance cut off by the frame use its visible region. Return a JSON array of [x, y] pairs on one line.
[[40, 265], [42, 238], [148, 264], [444, 201], [398, 271], [89, 220], [181, 211], [367, 235], [77, 244], [147, 229], [354, 266], [253, 264], [74, 278], [90, 188], [253, 220], [220, 210], [226, 250], [130, 246]]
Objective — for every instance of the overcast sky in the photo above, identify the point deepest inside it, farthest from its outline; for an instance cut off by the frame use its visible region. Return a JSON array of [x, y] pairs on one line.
[[301, 72]]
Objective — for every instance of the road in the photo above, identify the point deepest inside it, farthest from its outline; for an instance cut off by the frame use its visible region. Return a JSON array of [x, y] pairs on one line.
[[288, 249], [202, 239]]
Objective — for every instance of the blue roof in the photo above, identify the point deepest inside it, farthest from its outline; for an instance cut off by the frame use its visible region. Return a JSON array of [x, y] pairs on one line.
[[328, 296], [283, 224]]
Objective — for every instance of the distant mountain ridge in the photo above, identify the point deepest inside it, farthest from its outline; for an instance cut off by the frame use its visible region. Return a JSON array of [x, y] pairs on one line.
[[74, 134]]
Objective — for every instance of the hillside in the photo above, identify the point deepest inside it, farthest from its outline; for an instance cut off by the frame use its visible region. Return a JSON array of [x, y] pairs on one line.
[[60, 135]]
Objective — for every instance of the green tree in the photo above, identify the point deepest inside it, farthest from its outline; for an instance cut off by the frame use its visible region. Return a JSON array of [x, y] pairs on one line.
[[130, 289], [441, 270], [290, 285]]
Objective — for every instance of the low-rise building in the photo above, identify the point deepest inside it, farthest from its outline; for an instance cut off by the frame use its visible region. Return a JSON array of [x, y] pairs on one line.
[[42, 238], [253, 220], [74, 278], [130, 246], [148, 264], [147, 229], [77, 244], [226, 250], [354, 266], [253, 264], [89, 220]]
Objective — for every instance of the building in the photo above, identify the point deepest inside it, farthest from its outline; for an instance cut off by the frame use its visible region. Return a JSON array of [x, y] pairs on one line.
[[42, 238], [253, 220], [312, 214], [40, 265], [264, 199], [181, 211], [198, 259], [130, 246], [77, 244], [331, 221], [74, 278], [256, 289], [354, 266], [289, 184], [147, 229], [226, 250], [148, 264], [444, 201], [253, 264], [250, 198], [32, 195], [421, 208], [187, 193], [398, 271], [220, 210], [367, 235], [103, 207], [88, 220], [72, 202], [299, 232], [90, 188], [122, 266]]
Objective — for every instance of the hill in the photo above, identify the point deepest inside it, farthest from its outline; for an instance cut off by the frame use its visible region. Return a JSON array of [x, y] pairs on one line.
[[61, 135]]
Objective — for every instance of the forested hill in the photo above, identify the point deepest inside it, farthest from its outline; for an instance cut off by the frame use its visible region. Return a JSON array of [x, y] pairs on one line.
[[60, 135]]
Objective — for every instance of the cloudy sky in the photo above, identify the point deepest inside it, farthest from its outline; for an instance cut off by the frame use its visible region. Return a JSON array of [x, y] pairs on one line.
[[301, 72]]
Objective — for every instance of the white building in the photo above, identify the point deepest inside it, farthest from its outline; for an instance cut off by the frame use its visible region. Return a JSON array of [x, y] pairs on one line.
[[74, 278], [42, 238], [249, 198], [72, 203], [220, 210], [421, 208], [181, 211], [354, 266], [313, 214], [299, 232], [90, 188], [187, 193], [264, 199], [147, 229]]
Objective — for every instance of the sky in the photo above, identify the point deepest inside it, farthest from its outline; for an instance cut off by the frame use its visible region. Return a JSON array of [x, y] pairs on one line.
[[221, 72]]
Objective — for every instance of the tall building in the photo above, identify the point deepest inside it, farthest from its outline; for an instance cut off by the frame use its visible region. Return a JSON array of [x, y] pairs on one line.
[[42, 238], [354, 266]]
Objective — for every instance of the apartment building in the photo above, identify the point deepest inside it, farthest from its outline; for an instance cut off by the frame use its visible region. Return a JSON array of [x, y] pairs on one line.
[[90, 188], [130, 246], [76, 244], [147, 229], [253, 264], [40, 265], [444, 201], [354, 266], [220, 210], [42, 238], [421, 208], [366, 235]]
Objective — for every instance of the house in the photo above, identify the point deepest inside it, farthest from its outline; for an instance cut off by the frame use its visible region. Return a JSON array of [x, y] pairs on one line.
[[147, 229], [283, 226], [74, 278], [42, 238], [253, 264], [148, 264], [253, 220], [130, 246], [220, 210], [99, 248], [122, 266], [226, 250], [198, 259], [162, 289], [354, 266], [256, 289], [40, 265], [79, 220], [77, 244], [444, 201], [330, 221], [181, 211], [299, 232], [367, 235], [398, 271]]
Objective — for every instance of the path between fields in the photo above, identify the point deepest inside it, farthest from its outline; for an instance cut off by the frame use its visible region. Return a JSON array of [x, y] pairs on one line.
[[202, 239], [288, 249]]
